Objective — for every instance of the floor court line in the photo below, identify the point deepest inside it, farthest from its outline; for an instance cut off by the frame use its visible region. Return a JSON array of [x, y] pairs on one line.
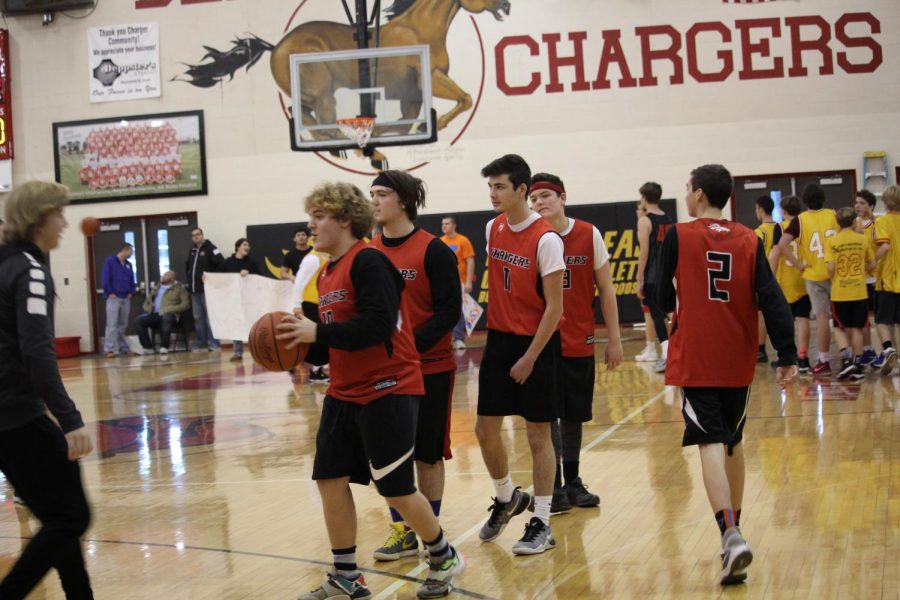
[[391, 589]]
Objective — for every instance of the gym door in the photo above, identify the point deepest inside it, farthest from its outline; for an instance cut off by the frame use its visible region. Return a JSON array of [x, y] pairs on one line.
[[840, 188], [161, 243]]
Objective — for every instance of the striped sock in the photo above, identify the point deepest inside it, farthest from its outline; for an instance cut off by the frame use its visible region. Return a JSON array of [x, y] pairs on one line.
[[345, 562], [439, 550]]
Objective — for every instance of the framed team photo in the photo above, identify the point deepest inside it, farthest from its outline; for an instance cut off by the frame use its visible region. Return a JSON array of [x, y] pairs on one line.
[[131, 158]]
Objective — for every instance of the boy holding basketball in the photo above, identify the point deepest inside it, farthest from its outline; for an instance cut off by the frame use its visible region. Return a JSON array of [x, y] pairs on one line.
[[368, 424]]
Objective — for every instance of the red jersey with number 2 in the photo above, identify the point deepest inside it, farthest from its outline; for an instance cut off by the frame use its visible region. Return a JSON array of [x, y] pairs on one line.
[[714, 339], [516, 303]]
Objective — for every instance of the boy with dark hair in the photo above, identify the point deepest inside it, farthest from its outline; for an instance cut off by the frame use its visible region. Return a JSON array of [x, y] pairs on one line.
[[721, 279], [204, 257], [431, 290], [810, 229], [766, 232], [887, 237], [587, 269], [518, 374], [240, 262], [792, 284], [290, 265], [864, 204], [848, 259], [652, 228], [368, 425]]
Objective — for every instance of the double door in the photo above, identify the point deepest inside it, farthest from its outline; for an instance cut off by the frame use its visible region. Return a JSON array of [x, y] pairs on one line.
[[840, 189], [161, 243]]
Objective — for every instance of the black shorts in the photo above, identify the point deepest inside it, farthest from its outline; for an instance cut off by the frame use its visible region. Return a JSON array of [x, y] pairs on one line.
[[850, 313], [538, 399], [433, 429], [872, 299], [888, 312], [369, 441], [577, 384], [714, 415], [802, 308]]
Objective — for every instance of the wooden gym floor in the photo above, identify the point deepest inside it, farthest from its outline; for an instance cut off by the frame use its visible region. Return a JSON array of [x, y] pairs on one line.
[[200, 485]]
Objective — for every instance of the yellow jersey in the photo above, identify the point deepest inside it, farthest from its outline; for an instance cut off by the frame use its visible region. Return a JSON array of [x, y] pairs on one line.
[[766, 232], [867, 228], [849, 253], [789, 277], [815, 226], [311, 290], [887, 231]]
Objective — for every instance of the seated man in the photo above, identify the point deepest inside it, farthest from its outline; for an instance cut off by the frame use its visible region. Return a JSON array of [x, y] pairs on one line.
[[161, 311]]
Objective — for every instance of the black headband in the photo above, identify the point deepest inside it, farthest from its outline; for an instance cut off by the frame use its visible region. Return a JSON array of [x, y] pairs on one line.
[[383, 180]]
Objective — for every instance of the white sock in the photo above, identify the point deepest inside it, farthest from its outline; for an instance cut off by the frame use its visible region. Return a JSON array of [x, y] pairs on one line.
[[504, 489], [824, 357], [665, 348], [542, 508]]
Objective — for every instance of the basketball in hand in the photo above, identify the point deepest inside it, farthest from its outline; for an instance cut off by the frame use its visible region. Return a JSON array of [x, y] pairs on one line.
[[270, 353], [90, 226]]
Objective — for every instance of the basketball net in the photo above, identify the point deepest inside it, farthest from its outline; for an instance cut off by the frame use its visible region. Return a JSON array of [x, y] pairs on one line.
[[358, 129]]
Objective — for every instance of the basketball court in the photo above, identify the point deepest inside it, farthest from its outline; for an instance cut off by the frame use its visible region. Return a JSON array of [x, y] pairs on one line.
[[200, 485]]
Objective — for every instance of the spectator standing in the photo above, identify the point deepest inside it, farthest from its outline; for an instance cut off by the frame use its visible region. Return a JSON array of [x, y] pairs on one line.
[[290, 266], [204, 257], [240, 262], [118, 286], [465, 262], [161, 312]]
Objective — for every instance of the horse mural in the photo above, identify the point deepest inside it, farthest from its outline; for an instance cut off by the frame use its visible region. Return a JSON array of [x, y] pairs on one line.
[[409, 22]]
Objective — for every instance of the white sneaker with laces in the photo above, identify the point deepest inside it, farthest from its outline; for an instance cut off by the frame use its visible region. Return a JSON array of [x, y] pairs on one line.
[[648, 354]]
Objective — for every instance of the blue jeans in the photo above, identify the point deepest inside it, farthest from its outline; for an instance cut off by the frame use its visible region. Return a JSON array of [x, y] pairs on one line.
[[201, 322], [148, 322], [117, 310]]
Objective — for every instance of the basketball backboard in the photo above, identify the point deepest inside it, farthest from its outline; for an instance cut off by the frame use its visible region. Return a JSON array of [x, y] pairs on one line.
[[392, 85]]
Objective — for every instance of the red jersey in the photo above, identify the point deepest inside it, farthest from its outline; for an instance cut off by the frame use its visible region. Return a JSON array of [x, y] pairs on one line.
[[361, 376], [409, 258], [714, 338], [515, 304], [577, 329]]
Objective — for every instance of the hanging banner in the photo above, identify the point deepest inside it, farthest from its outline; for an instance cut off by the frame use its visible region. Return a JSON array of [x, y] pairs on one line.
[[6, 136], [124, 62]]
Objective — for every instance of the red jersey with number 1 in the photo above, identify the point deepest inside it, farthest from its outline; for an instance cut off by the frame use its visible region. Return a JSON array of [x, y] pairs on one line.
[[361, 376], [516, 303], [578, 291], [714, 339]]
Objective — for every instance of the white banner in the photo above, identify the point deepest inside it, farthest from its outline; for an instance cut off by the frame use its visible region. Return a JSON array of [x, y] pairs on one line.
[[234, 303], [124, 62]]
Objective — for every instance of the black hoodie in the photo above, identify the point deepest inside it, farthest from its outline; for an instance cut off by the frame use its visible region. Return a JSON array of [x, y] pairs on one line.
[[30, 382]]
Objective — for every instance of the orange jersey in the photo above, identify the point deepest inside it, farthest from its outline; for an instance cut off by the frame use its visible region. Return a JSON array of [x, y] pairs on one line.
[[361, 376], [409, 258], [463, 250], [516, 302]]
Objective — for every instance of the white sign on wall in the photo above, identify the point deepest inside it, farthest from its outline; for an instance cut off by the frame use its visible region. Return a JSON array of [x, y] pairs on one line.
[[124, 62]]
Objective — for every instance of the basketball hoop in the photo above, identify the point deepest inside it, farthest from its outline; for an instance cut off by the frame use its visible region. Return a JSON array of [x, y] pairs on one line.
[[358, 129]]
